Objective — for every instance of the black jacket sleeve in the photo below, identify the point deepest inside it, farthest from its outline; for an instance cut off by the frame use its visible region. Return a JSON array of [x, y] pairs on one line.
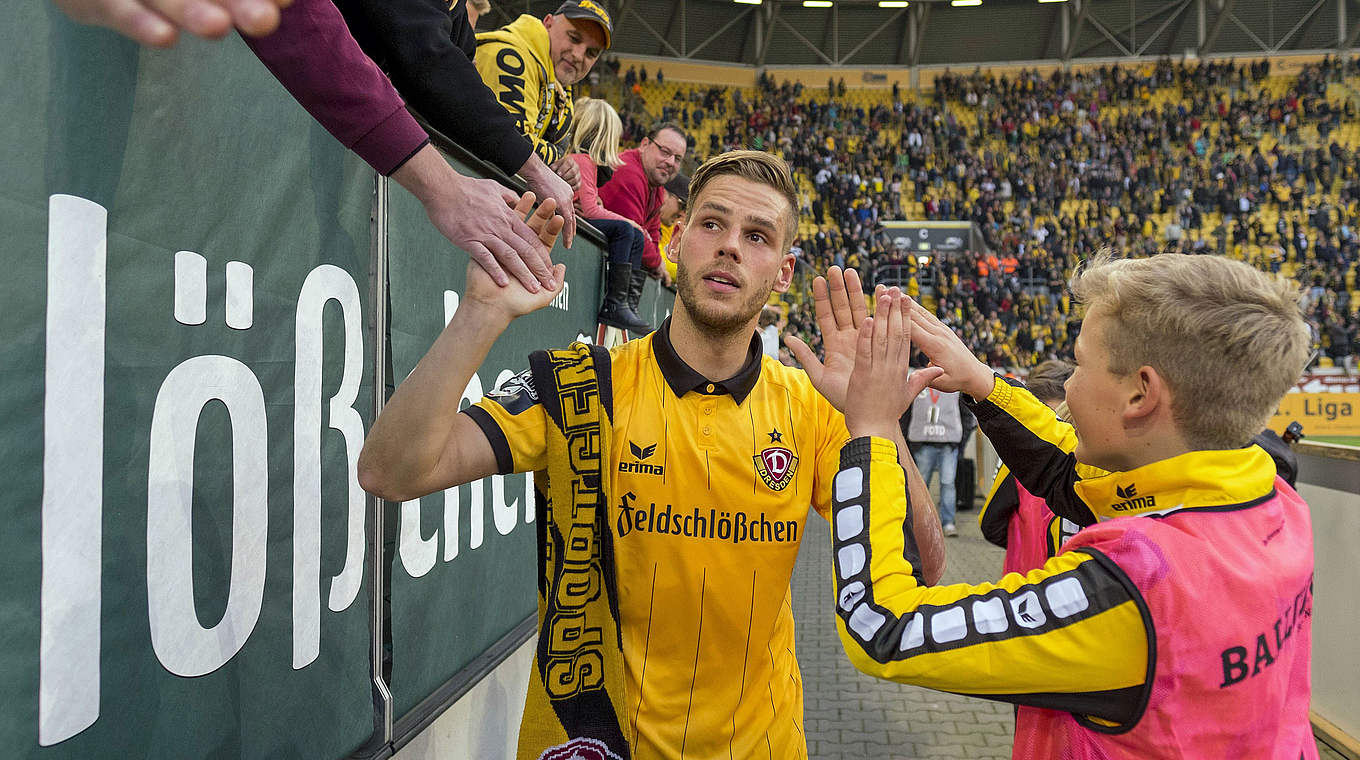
[[995, 519], [1036, 446], [1286, 461], [427, 52], [967, 420]]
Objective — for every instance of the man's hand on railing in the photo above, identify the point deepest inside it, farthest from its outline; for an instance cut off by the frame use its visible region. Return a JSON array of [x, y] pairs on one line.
[[479, 216], [546, 184], [157, 22], [567, 169]]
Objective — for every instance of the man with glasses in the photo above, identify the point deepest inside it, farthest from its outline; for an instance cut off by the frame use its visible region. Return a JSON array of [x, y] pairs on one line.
[[637, 191]]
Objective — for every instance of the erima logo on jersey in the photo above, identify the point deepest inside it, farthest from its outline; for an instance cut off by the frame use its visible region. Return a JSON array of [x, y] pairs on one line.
[[1135, 503], [1127, 492], [642, 468]]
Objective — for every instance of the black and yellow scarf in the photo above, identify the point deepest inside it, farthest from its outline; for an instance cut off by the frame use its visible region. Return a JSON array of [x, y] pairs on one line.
[[576, 687]]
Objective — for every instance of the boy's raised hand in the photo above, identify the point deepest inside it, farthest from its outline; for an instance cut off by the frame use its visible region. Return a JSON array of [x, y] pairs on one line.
[[880, 387], [960, 369]]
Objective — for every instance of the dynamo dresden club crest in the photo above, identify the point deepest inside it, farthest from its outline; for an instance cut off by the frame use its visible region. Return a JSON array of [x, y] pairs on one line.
[[776, 466]]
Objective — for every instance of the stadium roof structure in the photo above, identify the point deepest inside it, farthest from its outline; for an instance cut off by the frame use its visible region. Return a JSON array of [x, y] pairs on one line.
[[875, 33]]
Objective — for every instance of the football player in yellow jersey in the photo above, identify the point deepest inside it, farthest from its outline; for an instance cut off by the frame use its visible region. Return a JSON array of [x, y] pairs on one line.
[[716, 455]]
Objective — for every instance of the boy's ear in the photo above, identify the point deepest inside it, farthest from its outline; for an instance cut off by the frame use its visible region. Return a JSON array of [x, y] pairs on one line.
[[1145, 393]]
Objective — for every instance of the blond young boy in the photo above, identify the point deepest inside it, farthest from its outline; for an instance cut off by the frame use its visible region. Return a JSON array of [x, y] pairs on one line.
[[1179, 624]]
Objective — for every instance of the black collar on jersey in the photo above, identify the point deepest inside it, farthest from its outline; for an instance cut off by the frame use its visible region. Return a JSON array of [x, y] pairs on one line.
[[682, 378]]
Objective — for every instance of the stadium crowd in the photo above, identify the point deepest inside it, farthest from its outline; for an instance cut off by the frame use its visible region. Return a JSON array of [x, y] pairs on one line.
[[1207, 157], [1211, 157]]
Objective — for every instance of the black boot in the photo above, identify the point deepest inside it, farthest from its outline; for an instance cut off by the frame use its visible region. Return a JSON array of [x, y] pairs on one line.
[[615, 310], [635, 289]]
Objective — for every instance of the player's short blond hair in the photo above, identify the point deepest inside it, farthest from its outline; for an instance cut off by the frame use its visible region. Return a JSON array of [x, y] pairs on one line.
[[1229, 340], [756, 166]]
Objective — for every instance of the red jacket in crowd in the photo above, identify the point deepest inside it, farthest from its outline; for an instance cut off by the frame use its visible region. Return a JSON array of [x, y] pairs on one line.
[[628, 193]]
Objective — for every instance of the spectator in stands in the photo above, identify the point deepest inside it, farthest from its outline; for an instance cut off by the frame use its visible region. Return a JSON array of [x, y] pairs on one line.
[[1013, 518], [595, 149], [935, 427], [426, 48], [637, 192], [1179, 624], [768, 327], [316, 59], [1108, 168], [314, 56], [531, 64], [475, 10]]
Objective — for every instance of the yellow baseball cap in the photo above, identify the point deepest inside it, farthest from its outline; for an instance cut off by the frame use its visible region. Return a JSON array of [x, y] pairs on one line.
[[590, 10]]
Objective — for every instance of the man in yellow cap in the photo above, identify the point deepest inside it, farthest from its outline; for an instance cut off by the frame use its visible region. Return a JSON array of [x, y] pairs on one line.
[[531, 65]]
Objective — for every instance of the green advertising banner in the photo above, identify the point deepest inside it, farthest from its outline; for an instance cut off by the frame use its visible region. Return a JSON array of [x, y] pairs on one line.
[[184, 388], [463, 560]]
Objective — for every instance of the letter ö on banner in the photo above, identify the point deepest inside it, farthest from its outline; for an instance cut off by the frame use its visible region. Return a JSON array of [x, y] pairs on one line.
[[323, 284], [73, 469], [181, 643]]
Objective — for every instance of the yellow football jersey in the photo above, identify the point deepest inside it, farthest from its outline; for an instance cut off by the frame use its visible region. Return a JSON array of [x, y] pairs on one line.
[[710, 486]]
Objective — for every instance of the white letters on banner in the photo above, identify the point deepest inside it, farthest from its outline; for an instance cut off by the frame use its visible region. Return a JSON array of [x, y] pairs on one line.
[[73, 469], [419, 553], [181, 643], [73, 473], [323, 284]]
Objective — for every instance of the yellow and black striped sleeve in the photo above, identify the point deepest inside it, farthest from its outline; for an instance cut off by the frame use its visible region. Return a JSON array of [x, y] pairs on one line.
[[1036, 446], [515, 424], [1074, 635]]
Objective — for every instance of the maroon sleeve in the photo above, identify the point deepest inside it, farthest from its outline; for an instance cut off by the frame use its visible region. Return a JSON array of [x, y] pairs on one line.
[[315, 58]]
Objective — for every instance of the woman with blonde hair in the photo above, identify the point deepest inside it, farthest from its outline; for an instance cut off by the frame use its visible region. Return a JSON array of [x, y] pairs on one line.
[[595, 149]]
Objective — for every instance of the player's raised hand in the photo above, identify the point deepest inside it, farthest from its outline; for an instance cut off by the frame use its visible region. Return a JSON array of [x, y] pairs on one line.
[[961, 371], [479, 216], [513, 299], [840, 308]]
